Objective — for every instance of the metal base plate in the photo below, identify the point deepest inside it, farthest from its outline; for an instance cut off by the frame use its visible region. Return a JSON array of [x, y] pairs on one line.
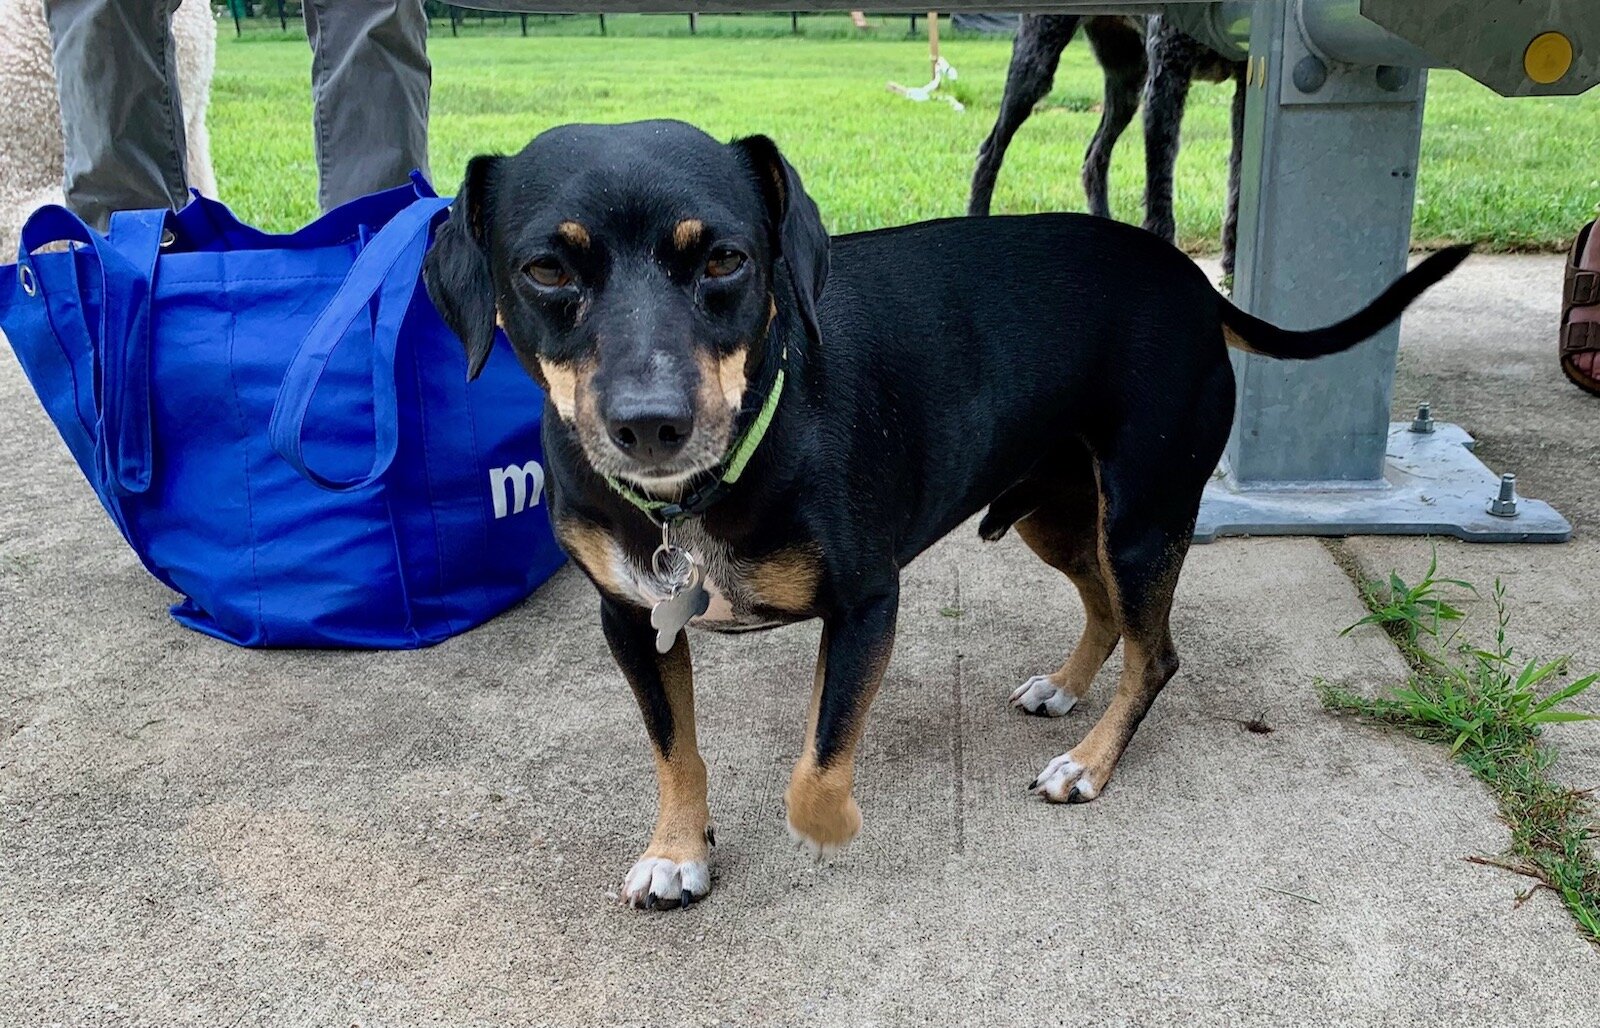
[[1433, 485]]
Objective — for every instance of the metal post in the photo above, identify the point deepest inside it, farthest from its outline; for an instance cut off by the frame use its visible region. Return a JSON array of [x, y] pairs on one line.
[[1304, 262], [1338, 32], [1327, 185]]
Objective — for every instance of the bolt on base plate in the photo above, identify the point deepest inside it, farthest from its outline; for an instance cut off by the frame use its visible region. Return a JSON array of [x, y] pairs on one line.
[[1433, 485]]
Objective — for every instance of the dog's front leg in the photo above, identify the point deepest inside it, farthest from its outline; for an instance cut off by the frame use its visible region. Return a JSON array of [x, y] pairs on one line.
[[856, 641], [675, 869]]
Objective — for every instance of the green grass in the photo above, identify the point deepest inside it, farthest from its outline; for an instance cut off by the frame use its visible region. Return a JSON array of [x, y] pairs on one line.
[[1489, 708], [1505, 174], [1408, 612]]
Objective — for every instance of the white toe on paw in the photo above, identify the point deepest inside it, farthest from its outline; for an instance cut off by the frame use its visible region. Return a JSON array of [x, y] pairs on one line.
[[659, 883], [1063, 780], [818, 851], [1039, 695]]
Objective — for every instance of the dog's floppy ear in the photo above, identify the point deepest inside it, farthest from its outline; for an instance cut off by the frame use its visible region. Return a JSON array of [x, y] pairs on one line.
[[456, 270], [796, 226]]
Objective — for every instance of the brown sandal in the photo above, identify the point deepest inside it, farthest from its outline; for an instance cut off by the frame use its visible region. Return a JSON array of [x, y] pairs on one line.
[[1580, 311]]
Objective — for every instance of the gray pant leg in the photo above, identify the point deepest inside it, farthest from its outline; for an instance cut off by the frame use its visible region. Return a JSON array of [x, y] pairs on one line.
[[369, 89], [121, 118]]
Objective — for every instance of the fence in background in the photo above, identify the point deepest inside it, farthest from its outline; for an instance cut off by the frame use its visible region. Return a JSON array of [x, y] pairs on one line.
[[286, 13]]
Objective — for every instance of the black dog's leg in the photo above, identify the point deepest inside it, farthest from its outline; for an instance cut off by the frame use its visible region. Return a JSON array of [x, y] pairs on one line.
[[856, 641], [1150, 495], [1230, 217], [1144, 587], [1034, 57], [1121, 53], [1064, 531], [675, 869], [1172, 57]]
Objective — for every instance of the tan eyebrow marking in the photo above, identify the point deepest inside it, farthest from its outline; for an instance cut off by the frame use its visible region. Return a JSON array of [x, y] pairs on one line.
[[688, 232], [573, 233]]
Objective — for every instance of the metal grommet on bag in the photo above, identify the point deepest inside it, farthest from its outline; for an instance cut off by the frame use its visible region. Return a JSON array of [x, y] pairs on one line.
[[167, 238], [25, 278]]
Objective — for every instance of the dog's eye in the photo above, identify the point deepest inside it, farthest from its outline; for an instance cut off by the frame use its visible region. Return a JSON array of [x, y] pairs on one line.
[[723, 263], [547, 272]]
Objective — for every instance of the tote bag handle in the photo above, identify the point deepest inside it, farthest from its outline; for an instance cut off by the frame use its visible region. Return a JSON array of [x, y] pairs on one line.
[[120, 342], [209, 225], [388, 269]]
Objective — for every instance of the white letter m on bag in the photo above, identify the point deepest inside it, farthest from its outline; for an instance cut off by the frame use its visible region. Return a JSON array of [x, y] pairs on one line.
[[526, 484]]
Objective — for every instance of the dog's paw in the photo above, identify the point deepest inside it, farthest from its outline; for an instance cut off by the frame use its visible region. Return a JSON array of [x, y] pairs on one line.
[[657, 883], [1065, 780], [1042, 697], [823, 833]]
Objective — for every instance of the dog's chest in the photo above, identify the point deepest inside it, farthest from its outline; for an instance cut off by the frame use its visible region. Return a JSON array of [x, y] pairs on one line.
[[727, 582]]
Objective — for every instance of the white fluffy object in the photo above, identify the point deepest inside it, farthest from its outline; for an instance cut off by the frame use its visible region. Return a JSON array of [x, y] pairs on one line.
[[31, 159]]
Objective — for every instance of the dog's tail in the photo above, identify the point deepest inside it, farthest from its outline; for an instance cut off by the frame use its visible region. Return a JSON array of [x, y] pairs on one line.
[[1252, 335]]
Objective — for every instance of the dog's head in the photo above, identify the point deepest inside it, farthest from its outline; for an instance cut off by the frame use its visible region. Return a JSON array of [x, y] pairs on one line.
[[637, 270]]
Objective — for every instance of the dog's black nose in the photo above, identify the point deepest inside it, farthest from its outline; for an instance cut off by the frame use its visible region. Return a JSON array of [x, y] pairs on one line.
[[649, 433]]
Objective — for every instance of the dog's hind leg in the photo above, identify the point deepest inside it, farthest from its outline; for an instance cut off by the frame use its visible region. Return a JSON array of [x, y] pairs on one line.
[[1034, 57], [1064, 531], [1172, 56], [1230, 217], [1149, 499], [1120, 49], [675, 869], [1143, 572]]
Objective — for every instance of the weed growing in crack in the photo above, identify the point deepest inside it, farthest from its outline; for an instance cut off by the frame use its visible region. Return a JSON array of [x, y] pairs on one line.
[[1490, 709]]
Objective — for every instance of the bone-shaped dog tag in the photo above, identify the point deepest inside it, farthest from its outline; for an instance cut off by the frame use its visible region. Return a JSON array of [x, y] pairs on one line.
[[688, 601]]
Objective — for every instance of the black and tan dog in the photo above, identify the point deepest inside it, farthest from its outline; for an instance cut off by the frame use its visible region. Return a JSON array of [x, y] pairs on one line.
[[809, 418]]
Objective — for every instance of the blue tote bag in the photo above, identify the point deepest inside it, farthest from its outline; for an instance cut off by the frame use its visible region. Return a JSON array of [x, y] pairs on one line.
[[281, 426]]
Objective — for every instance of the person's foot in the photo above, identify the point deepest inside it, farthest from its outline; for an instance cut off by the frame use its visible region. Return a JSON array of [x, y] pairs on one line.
[[1580, 312]]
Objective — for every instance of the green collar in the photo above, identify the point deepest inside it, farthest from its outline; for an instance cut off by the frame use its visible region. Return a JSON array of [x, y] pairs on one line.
[[671, 512]]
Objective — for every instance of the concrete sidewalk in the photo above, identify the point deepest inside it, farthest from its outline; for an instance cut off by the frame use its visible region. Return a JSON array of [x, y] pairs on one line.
[[195, 834]]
